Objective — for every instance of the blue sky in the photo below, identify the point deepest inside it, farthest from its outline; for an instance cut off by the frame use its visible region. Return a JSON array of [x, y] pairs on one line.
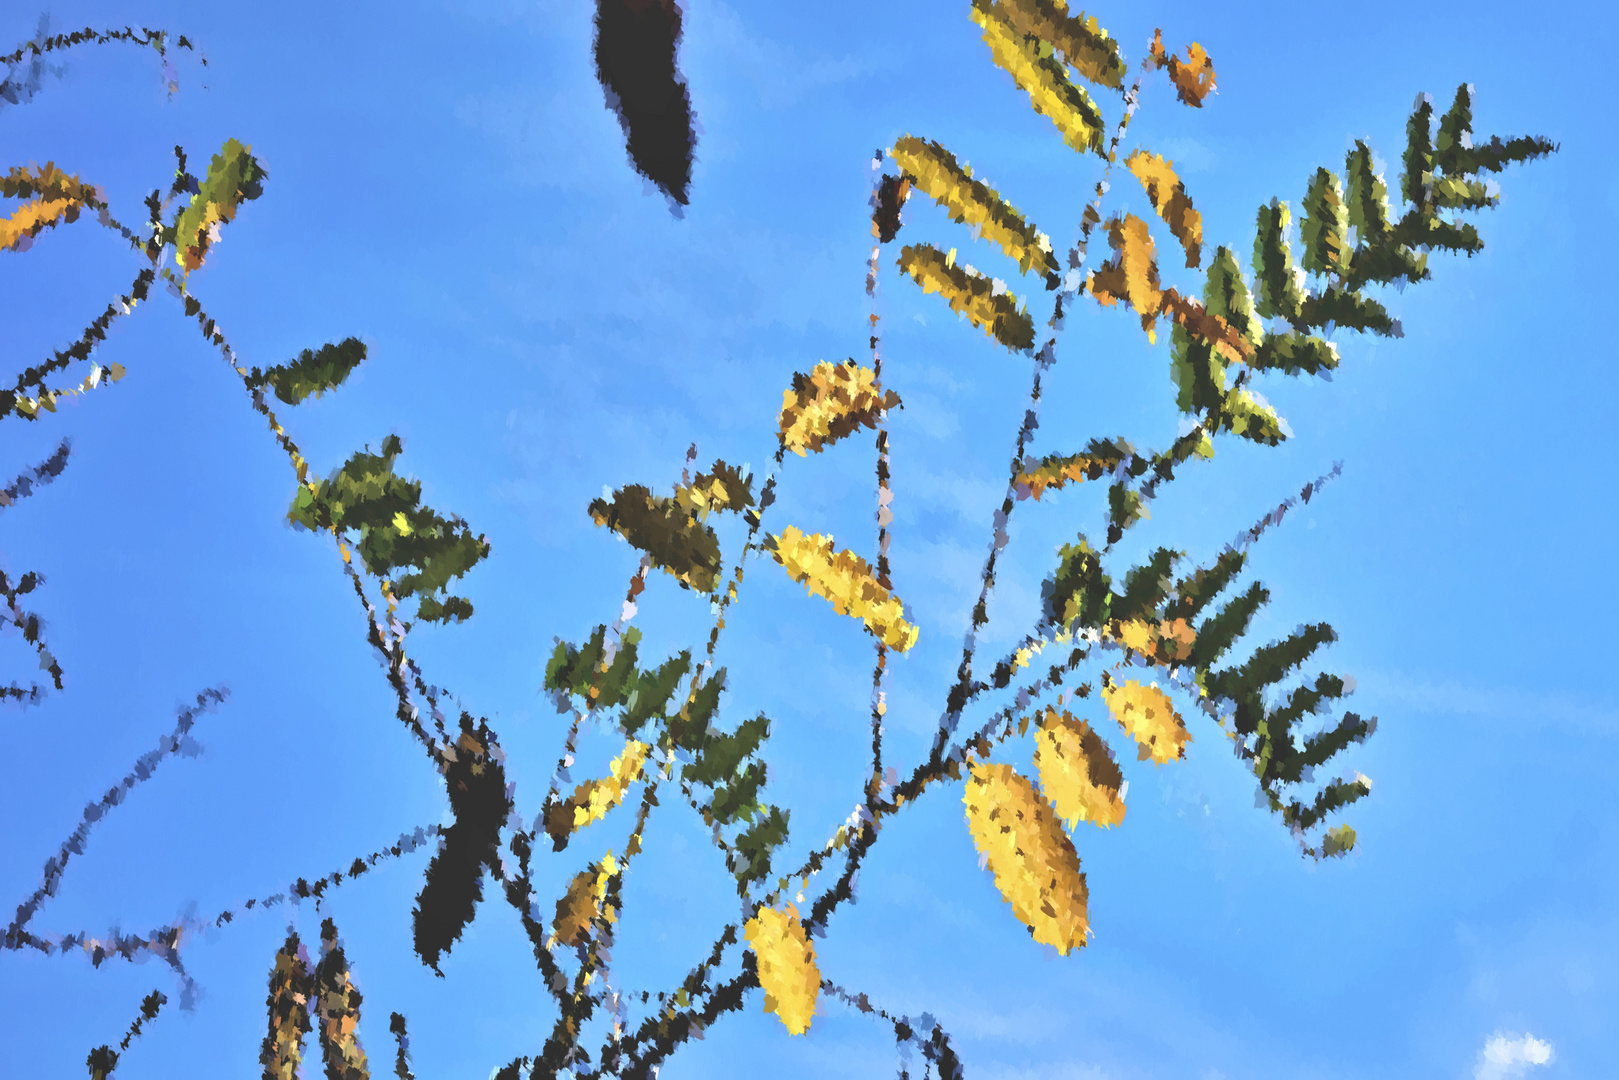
[[445, 183]]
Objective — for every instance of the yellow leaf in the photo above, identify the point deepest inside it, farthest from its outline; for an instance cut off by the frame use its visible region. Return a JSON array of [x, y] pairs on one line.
[[984, 301], [1035, 866], [846, 580], [934, 170], [1132, 276], [1084, 45], [33, 218], [786, 962], [1168, 197], [1041, 77], [832, 401], [1166, 642], [583, 903], [1077, 772], [591, 800], [1193, 77], [1147, 716]]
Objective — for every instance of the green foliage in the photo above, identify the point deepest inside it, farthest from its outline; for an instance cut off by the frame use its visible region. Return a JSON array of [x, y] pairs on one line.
[[411, 547], [312, 372], [234, 177]]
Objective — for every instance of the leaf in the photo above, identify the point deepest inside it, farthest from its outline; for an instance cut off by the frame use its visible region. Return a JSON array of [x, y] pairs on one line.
[[337, 1008], [1035, 866], [886, 202], [410, 545], [584, 903], [1220, 630], [1167, 641], [1132, 275], [934, 171], [1229, 332], [1249, 415], [1169, 199], [291, 987], [313, 372], [786, 966], [1077, 772], [653, 691], [1339, 840], [846, 581], [673, 538], [1280, 284], [984, 301], [831, 402], [1418, 158], [54, 197], [1079, 593], [1040, 76], [591, 800], [757, 842], [1351, 311], [1146, 714], [1294, 352], [1082, 44], [1368, 198], [635, 53], [1100, 457], [1193, 77], [722, 487], [1325, 230], [234, 177]]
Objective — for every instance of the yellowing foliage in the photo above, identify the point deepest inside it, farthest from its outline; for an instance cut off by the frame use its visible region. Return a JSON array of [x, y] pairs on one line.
[[1077, 773], [1084, 45], [1193, 77], [1146, 714], [847, 581], [984, 301], [1042, 78], [1133, 274], [832, 401], [1169, 641], [787, 970], [934, 170], [34, 217], [1168, 197], [583, 903], [592, 799], [1035, 866]]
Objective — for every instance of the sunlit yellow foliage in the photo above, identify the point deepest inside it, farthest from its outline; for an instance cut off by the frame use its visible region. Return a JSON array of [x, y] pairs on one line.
[[1077, 774], [1041, 77], [1035, 866], [1147, 716], [985, 302], [1085, 46], [934, 170], [1168, 197], [1060, 471], [591, 800], [832, 401], [54, 196], [846, 580], [1168, 641], [1193, 77], [32, 218], [787, 970], [1133, 274], [583, 903]]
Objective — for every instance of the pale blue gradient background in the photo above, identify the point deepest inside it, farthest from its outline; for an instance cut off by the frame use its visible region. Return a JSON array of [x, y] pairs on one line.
[[446, 183]]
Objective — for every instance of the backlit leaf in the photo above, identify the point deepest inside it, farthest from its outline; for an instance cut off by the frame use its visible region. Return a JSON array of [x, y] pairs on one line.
[[1146, 714], [1325, 230], [786, 964], [934, 171], [234, 177], [676, 541], [312, 372], [847, 581], [337, 1010], [1032, 67], [584, 902], [1280, 282], [1035, 866], [1077, 772], [1193, 77], [291, 987], [1132, 274], [984, 301], [591, 800], [1084, 45], [1169, 199], [832, 401]]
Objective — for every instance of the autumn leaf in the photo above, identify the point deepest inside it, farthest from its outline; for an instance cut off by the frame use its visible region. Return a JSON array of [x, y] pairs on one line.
[[1147, 716], [786, 964], [1193, 77], [847, 581], [832, 401], [1168, 196], [1077, 772], [983, 300]]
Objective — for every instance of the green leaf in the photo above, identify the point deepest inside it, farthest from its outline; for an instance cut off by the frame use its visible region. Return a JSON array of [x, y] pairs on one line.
[[313, 372], [1294, 352], [234, 177], [653, 691], [1418, 159], [758, 842], [1080, 592], [1280, 283], [1349, 310], [1249, 415], [1325, 229], [413, 548], [1368, 199], [1217, 633], [1145, 586]]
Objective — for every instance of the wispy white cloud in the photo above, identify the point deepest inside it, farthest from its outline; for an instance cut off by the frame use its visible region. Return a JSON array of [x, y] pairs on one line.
[[1506, 1055]]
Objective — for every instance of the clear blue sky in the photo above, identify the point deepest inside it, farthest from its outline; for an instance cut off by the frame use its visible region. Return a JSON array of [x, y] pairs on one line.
[[445, 182]]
